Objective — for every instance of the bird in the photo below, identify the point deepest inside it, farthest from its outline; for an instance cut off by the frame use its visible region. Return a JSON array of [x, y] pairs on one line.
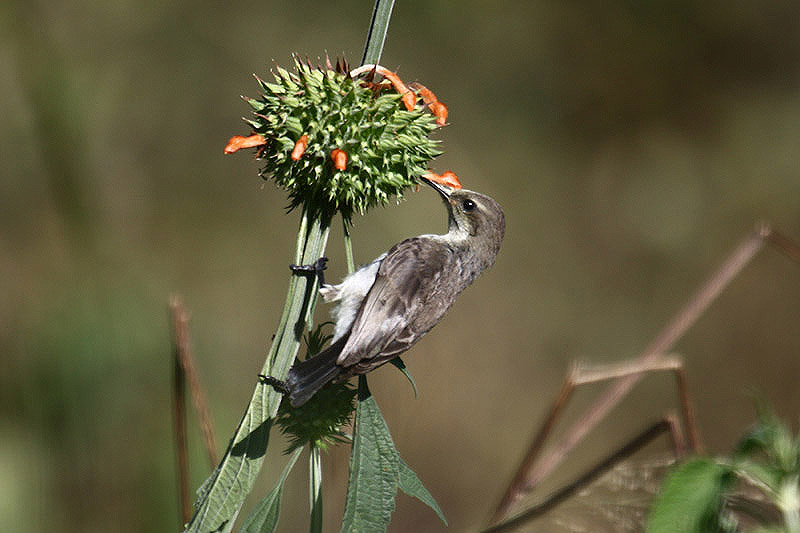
[[389, 304]]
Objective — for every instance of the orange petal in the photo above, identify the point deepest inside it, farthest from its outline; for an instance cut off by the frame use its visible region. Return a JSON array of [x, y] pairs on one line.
[[427, 95], [299, 148], [448, 179], [409, 98], [339, 158], [440, 111], [237, 142]]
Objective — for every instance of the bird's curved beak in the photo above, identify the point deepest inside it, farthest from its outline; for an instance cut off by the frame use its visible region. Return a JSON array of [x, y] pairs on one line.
[[444, 184]]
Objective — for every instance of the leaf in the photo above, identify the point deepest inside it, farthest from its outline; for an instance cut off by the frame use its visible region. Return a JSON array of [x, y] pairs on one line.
[[691, 499], [223, 493], [765, 476], [402, 367], [411, 485], [376, 470], [264, 517], [372, 485]]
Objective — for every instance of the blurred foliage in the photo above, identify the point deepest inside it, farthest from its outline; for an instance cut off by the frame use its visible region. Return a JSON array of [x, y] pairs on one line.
[[708, 494], [630, 143]]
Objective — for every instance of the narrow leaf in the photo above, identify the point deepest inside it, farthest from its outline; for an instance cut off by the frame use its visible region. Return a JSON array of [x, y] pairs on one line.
[[372, 485], [264, 518], [411, 485], [402, 367], [691, 499], [377, 31]]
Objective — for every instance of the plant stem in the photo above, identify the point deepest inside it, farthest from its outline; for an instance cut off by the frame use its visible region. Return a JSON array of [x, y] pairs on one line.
[[348, 248], [222, 495], [179, 410], [315, 488], [789, 504]]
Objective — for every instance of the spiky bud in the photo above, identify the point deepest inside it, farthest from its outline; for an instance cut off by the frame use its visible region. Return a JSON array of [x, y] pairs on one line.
[[336, 143], [318, 422]]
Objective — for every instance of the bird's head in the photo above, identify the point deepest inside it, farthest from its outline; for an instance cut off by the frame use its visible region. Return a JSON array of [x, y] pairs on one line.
[[474, 218]]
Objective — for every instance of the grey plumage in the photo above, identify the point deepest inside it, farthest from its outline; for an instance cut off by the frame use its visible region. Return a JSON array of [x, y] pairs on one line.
[[391, 303]]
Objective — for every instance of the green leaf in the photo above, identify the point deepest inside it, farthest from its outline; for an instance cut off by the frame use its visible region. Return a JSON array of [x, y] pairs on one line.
[[222, 495], [765, 476], [377, 31], [771, 443], [264, 517], [411, 485], [374, 469], [691, 499], [402, 367]]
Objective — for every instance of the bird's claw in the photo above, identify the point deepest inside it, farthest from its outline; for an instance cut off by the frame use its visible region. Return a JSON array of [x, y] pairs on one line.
[[279, 386], [317, 268]]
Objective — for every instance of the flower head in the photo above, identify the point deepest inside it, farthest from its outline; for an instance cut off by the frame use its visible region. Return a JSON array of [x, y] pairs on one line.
[[337, 142]]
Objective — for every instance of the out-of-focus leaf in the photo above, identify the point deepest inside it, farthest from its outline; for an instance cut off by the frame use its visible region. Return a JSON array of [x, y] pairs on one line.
[[771, 443], [411, 485], [264, 518], [691, 499], [766, 477]]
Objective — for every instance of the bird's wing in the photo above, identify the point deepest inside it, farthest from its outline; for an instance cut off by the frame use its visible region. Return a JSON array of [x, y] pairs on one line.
[[391, 316]]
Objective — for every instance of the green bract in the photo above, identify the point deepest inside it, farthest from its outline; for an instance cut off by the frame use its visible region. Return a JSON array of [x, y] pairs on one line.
[[387, 146], [318, 421]]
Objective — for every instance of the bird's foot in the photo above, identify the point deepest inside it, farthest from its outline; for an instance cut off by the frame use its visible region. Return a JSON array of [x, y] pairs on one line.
[[317, 268], [279, 386]]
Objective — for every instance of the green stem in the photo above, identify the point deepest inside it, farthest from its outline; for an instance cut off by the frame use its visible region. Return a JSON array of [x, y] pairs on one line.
[[789, 503], [221, 496], [315, 488], [377, 31], [348, 248]]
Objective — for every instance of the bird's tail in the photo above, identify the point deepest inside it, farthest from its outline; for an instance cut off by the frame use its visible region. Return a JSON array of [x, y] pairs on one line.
[[307, 377]]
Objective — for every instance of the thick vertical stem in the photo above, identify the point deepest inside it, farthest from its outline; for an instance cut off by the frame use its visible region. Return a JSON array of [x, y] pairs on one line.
[[299, 306], [789, 504], [348, 247], [315, 488], [224, 492]]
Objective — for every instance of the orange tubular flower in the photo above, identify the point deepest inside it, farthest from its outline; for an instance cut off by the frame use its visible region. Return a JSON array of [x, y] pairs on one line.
[[447, 178], [299, 148], [438, 108], [339, 158], [237, 142], [440, 111], [409, 98]]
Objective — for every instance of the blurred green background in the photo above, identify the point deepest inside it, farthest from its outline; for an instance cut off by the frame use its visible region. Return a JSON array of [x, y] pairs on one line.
[[632, 145]]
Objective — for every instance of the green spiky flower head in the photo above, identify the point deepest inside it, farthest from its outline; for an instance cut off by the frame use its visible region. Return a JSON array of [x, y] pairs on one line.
[[337, 143]]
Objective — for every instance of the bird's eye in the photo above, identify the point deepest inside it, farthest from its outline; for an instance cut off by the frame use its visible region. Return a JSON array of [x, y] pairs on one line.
[[468, 205]]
